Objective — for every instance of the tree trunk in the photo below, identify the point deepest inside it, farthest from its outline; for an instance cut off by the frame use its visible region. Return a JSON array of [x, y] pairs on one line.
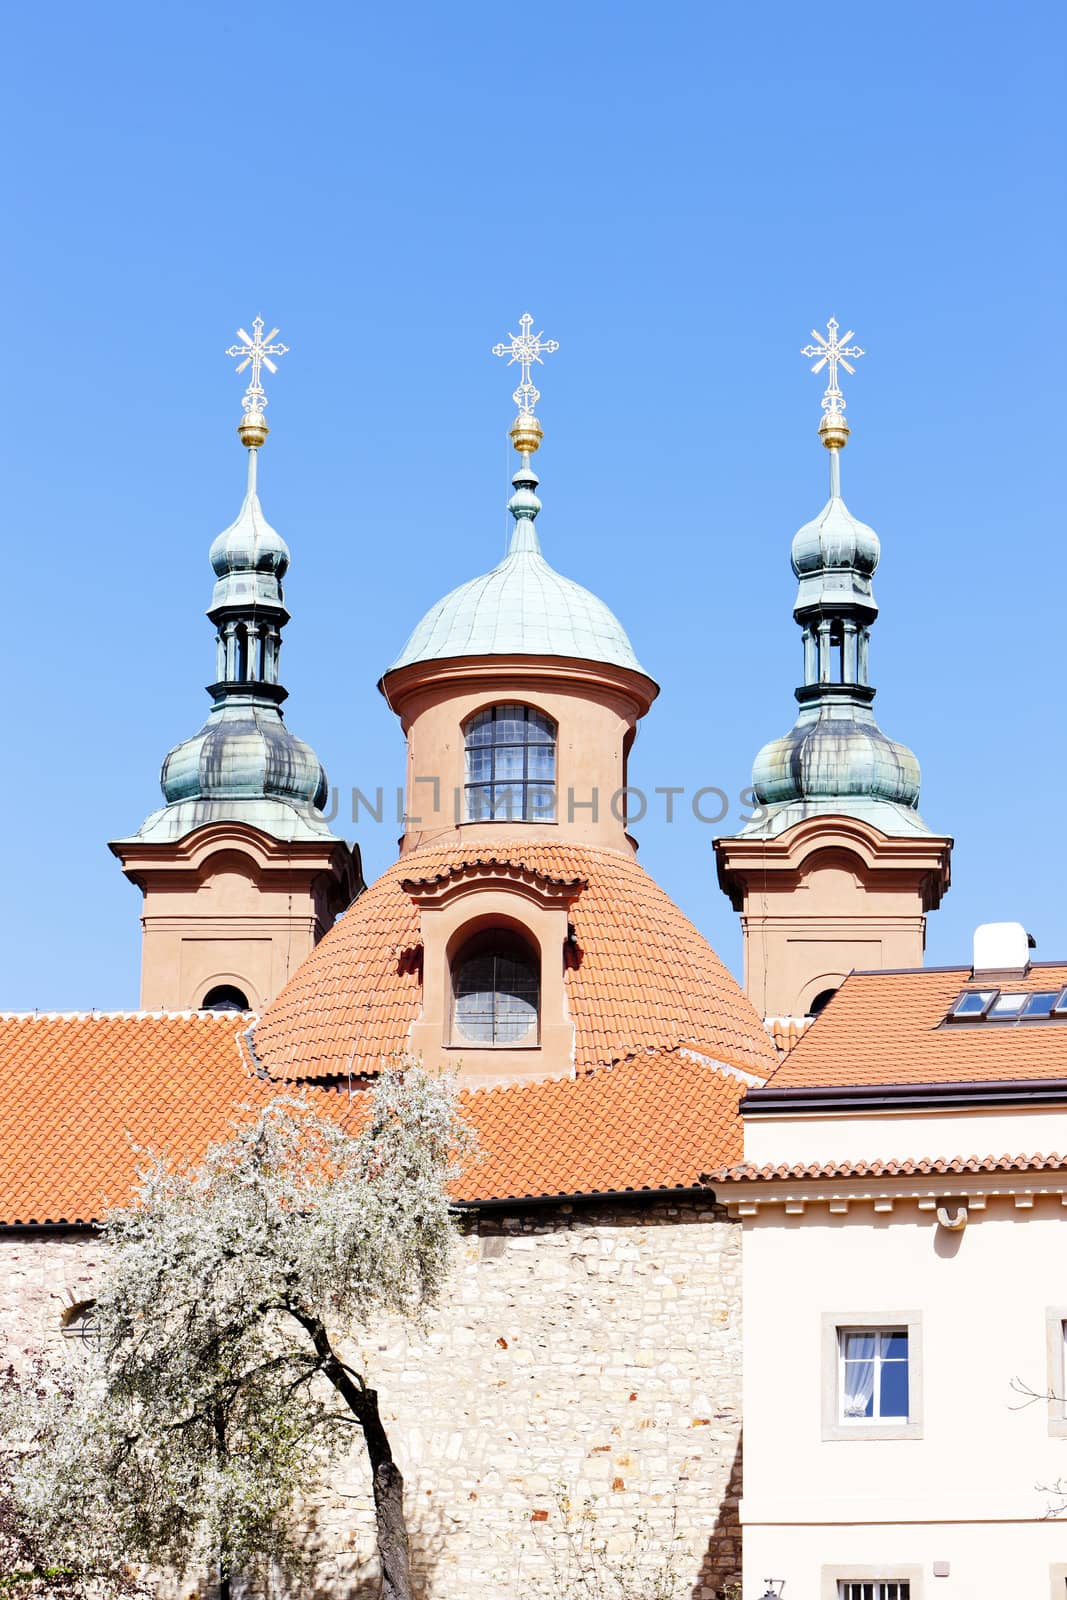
[[394, 1545]]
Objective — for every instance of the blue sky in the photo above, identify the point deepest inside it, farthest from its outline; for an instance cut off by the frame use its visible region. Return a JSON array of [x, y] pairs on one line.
[[677, 193]]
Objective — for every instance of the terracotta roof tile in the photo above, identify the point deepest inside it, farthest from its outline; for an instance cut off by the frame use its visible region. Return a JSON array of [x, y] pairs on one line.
[[889, 1028], [785, 1031], [646, 979], [644, 1125], [81, 1094]]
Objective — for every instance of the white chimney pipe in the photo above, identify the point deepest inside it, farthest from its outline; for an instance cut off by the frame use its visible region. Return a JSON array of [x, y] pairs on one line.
[[1001, 947]]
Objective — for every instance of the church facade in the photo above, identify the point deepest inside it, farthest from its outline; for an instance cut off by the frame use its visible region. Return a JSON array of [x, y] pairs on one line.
[[613, 1319]]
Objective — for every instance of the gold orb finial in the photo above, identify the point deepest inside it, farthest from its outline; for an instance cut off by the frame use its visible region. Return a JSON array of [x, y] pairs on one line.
[[252, 430], [834, 430], [526, 433]]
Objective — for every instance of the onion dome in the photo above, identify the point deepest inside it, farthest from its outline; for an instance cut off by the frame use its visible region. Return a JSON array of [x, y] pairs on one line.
[[250, 559], [835, 758], [836, 752], [244, 764], [244, 749], [835, 556]]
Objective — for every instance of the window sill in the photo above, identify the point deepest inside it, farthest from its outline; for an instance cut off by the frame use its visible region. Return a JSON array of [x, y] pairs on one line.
[[872, 1430], [509, 822], [491, 1049]]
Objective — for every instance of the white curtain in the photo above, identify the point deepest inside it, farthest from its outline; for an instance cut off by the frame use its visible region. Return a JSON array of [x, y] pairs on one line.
[[859, 1351]]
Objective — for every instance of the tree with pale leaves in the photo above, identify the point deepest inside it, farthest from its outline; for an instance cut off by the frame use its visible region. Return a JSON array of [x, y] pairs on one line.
[[212, 1395]]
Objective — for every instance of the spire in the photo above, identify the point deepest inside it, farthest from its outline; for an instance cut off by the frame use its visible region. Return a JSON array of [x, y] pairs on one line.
[[240, 873], [523, 606], [835, 556], [250, 559], [244, 762], [836, 756], [525, 348]]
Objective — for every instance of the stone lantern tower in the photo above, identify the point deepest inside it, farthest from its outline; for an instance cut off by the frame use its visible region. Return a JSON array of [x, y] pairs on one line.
[[837, 870], [240, 873]]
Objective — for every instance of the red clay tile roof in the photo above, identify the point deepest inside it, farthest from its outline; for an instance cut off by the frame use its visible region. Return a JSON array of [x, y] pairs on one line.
[[749, 1172], [76, 1090], [82, 1093], [646, 979], [647, 1124], [889, 1028], [785, 1031]]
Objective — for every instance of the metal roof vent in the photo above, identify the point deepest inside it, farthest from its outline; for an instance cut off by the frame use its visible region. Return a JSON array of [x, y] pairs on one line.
[[1001, 947]]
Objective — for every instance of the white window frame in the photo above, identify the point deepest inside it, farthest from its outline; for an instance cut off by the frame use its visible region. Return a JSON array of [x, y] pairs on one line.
[[878, 1415], [834, 1576], [1056, 1342], [521, 787], [881, 1588], [834, 1425]]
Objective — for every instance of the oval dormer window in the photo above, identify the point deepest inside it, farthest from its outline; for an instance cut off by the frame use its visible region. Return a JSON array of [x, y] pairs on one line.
[[496, 992], [510, 765]]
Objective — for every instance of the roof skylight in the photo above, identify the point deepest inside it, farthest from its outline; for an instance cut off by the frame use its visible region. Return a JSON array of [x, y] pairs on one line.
[[973, 1004], [1040, 1005], [1006, 1007], [1009, 1005]]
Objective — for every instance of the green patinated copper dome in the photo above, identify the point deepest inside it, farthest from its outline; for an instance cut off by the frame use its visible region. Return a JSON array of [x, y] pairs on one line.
[[244, 750], [836, 751], [250, 559], [522, 607], [835, 557]]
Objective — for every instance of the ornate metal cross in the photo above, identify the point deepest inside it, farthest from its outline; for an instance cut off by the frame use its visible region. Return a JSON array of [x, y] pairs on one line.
[[526, 348], [832, 352], [256, 352]]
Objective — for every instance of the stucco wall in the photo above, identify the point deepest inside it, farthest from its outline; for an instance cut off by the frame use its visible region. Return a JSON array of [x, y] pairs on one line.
[[593, 1350], [973, 1488]]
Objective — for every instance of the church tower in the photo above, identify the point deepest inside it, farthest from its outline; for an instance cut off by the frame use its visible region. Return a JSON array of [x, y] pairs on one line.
[[837, 869], [517, 936], [240, 873]]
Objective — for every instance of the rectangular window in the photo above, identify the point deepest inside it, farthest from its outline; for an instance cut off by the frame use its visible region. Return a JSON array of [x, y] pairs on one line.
[[874, 1589], [873, 1374], [871, 1382]]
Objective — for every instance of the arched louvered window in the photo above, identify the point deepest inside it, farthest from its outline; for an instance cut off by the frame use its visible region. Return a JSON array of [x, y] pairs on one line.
[[496, 991], [511, 765]]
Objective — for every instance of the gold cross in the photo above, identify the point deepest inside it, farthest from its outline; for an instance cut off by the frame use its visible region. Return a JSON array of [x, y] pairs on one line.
[[526, 348], [256, 352]]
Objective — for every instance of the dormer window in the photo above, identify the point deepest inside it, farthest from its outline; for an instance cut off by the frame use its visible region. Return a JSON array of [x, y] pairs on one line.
[[510, 765], [496, 992]]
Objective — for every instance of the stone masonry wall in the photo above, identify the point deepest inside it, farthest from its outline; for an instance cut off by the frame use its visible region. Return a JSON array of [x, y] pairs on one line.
[[587, 1360]]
